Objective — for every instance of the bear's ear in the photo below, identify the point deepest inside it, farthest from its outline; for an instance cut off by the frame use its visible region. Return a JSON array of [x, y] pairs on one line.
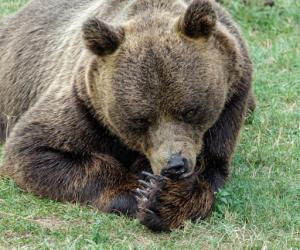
[[101, 38], [199, 19]]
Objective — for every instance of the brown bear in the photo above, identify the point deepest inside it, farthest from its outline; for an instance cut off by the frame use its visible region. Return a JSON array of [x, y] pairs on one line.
[[131, 106]]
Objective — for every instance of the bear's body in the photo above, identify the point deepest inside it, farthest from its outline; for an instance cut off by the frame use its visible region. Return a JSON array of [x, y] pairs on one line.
[[72, 113]]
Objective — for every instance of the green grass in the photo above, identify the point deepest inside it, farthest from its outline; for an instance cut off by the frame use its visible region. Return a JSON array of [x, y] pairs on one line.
[[259, 208], [8, 6]]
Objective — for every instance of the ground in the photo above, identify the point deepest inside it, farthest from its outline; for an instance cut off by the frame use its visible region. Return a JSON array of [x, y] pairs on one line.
[[259, 208]]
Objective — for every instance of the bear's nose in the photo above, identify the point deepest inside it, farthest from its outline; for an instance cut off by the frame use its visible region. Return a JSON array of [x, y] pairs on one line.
[[177, 166]]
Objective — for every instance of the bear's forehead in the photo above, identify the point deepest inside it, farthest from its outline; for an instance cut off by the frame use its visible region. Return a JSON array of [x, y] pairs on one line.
[[163, 72], [163, 69], [163, 65], [155, 86]]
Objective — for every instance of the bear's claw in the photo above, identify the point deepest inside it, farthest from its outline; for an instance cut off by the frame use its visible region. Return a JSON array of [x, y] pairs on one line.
[[148, 211], [145, 184], [141, 192], [152, 176]]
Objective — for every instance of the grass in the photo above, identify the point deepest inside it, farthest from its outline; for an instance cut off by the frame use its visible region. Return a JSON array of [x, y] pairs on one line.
[[259, 208]]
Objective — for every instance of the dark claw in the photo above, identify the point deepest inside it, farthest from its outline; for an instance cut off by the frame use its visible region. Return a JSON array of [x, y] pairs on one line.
[[141, 191], [151, 176], [144, 183], [148, 211]]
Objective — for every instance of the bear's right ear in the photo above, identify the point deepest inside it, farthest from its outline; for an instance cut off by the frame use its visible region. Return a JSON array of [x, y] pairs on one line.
[[199, 19], [101, 38]]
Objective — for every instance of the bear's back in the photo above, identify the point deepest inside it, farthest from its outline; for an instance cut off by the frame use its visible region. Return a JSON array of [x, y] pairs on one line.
[[39, 48]]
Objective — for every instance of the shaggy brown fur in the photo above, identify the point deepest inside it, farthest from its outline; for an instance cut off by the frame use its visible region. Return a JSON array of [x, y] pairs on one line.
[[92, 93]]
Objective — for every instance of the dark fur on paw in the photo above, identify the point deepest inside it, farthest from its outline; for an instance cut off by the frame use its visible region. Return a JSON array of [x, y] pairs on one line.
[[165, 204]]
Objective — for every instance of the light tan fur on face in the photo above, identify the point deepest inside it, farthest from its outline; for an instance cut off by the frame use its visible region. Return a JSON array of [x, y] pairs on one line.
[[170, 138]]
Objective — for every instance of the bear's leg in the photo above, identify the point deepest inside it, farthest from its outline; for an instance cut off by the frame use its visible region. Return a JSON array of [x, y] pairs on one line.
[[95, 179], [220, 140]]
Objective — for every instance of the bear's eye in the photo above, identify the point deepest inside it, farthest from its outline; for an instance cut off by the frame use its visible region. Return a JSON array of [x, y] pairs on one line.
[[190, 115]]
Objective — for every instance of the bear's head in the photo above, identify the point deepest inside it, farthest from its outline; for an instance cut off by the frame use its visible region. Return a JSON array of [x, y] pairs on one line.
[[159, 82]]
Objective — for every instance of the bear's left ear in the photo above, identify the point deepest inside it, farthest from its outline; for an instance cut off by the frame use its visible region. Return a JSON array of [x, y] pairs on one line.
[[199, 19], [101, 38]]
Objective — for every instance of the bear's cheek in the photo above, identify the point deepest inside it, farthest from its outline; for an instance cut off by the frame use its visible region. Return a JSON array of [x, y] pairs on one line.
[[133, 138]]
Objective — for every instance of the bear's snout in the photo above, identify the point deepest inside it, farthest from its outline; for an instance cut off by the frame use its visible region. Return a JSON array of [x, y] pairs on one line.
[[173, 151], [176, 167]]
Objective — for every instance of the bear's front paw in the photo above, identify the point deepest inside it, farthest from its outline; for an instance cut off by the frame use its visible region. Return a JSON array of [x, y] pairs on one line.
[[165, 204]]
